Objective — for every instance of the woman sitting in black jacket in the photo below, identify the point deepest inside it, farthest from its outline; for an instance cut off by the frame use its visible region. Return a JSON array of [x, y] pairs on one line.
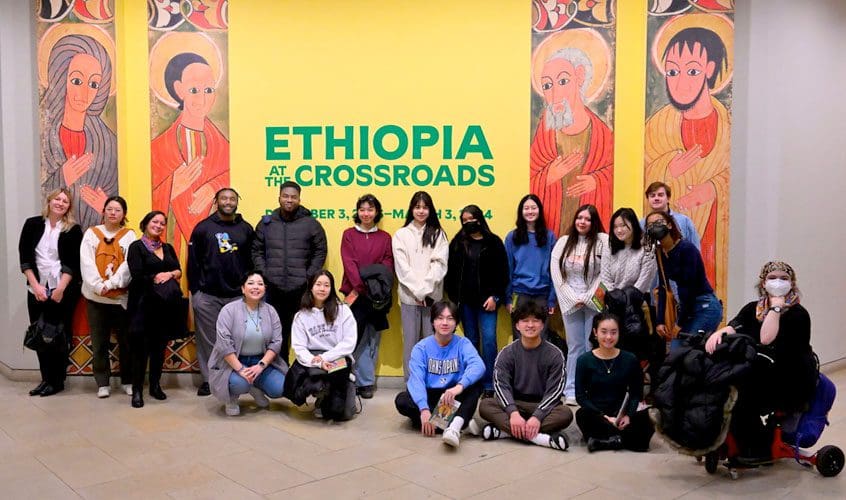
[[782, 327]]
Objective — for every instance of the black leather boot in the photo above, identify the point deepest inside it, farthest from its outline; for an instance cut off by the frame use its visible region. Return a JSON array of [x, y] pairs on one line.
[[137, 398], [157, 392], [612, 443], [40, 387]]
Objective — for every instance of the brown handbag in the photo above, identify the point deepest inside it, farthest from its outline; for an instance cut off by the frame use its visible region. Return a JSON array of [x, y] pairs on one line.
[[670, 319]]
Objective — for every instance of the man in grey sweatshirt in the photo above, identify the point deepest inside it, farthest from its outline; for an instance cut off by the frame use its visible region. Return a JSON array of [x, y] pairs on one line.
[[529, 376]]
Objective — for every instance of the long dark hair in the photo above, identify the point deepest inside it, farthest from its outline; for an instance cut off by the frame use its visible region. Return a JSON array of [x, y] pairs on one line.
[[596, 227], [332, 303], [629, 216], [521, 234], [433, 224], [477, 214]]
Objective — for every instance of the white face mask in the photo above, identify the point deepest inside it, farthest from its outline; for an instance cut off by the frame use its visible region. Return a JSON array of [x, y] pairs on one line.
[[777, 288]]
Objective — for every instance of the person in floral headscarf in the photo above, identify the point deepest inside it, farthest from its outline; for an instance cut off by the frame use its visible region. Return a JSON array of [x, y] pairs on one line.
[[785, 376]]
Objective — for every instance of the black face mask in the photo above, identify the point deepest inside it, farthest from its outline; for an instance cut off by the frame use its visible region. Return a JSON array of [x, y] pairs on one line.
[[471, 227], [658, 231]]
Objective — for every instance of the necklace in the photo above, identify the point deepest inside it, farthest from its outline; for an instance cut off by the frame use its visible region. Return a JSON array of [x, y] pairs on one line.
[[609, 366], [254, 318]]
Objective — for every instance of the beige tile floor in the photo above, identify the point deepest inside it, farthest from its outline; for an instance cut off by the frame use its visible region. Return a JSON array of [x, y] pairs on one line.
[[73, 445]]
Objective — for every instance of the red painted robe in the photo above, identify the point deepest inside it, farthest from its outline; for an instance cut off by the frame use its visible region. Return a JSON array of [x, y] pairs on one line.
[[704, 132], [599, 162], [168, 153]]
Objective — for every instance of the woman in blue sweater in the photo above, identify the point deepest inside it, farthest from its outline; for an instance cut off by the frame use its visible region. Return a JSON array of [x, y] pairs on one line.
[[679, 261], [529, 247], [442, 365]]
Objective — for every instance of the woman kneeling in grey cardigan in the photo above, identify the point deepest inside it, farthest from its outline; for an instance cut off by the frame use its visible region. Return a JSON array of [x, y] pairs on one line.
[[246, 357]]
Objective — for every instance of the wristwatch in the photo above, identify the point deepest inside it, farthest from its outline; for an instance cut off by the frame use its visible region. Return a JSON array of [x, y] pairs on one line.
[[262, 364], [777, 309]]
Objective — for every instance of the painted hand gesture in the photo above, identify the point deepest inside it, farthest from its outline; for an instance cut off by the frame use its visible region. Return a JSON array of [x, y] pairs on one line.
[[74, 168], [563, 165], [185, 175]]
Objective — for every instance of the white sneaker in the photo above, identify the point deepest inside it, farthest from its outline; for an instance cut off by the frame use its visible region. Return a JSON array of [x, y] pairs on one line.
[[232, 408], [259, 397], [127, 388], [103, 392], [473, 428], [451, 437], [571, 401]]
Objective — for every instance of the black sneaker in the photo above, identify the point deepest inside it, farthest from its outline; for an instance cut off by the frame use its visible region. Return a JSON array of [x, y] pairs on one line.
[[204, 389], [490, 432], [558, 441], [365, 391]]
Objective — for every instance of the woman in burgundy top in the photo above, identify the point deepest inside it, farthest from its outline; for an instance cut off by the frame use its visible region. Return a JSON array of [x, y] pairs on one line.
[[362, 245]]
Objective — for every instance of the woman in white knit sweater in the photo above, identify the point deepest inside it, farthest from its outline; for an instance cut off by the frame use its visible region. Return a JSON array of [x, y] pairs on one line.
[[575, 266], [625, 262], [105, 282], [421, 251]]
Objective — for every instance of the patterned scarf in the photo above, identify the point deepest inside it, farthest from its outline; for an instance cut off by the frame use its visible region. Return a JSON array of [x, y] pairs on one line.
[[152, 245], [792, 297]]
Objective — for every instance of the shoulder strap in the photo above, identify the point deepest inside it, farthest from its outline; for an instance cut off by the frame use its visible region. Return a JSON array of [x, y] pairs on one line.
[[659, 256], [98, 233], [121, 233]]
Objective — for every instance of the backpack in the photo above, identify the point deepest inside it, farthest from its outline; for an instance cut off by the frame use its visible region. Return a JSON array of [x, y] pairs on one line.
[[812, 422], [108, 256]]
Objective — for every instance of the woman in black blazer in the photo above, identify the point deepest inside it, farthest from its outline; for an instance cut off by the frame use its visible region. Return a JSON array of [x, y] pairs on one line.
[[49, 258], [154, 267]]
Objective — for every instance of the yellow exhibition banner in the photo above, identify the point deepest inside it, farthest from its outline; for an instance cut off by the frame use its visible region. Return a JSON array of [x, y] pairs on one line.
[[389, 98]]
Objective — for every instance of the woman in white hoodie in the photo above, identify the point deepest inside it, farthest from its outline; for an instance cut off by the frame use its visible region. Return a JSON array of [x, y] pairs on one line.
[[323, 337], [105, 282], [421, 251]]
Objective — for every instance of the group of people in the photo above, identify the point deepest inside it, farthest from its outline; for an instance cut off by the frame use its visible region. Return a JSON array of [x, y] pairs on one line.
[[259, 292]]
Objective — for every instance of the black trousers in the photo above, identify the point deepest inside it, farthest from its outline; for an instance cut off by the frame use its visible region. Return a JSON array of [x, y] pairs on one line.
[[286, 304], [53, 363], [469, 399], [146, 345], [635, 436]]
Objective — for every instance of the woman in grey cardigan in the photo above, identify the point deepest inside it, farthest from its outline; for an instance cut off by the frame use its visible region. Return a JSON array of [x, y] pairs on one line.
[[246, 357]]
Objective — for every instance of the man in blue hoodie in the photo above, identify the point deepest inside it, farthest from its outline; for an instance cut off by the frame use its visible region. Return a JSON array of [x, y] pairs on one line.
[[219, 256], [443, 368]]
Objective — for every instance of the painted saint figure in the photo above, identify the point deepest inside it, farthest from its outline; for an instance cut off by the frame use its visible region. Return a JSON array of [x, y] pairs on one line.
[[688, 141], [572, 152], [190, 159], [79, 151]]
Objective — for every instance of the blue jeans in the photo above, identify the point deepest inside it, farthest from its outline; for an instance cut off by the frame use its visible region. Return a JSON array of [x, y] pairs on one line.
[[476, 321], [365, 356], [577, 328], [706, 316], [271, 381]]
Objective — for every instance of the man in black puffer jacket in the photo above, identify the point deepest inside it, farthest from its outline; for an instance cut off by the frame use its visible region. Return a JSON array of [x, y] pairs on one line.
[[690, 408], [289, 247]]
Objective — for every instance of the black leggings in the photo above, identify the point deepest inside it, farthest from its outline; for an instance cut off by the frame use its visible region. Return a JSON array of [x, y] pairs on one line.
[[146, 345], [469, 398], [635, 436]]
